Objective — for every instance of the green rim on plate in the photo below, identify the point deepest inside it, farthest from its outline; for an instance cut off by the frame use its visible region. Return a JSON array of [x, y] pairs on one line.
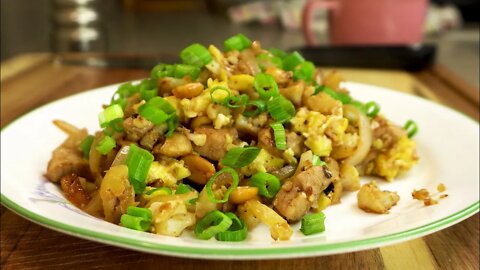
[[240, 253]]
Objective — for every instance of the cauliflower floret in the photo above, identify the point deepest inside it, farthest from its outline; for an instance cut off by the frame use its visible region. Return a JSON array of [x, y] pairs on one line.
[[264, 162], [371, 199], [320, 145], [250, 125], [336, 126], [400, 158], [171, 218], [220, 116], [168, 170]]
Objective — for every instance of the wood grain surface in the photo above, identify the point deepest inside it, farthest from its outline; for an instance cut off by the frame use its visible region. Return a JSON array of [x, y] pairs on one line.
[[33, 80]]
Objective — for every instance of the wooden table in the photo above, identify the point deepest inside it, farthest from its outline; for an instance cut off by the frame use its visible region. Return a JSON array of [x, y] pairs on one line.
[[31, 80]]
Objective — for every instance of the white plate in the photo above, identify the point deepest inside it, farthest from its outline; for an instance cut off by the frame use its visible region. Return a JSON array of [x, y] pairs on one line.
[[448, 146]]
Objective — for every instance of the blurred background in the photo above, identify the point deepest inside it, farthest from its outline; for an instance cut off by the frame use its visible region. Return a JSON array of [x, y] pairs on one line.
[[142, 27]]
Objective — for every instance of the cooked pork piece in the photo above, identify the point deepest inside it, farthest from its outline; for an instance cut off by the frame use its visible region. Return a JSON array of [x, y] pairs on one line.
[[136, 127], [298, 194], [214, 147], [66, 160]]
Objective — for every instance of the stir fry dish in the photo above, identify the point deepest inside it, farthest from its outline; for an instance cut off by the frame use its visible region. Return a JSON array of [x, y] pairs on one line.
[[227, 140]]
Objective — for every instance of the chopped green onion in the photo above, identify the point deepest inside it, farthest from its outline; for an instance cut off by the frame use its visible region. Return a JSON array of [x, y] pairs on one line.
[[157, 71], [236, 232], [372, 109], [157, 110], [148, 94], [235, 102], [255, 107], [268, 184], [182, 70], [85, 145], [123, 92], [223, 89], [266, 86], [160, 190], [277, 52], [240, 156], [316, 161], [172, 124], [292, 60], [196, 55], [137, 218], [184, 188], [105, 145], [135, 223], [279, 135], [162, 104], [342, 97], [116, 125], [238, 42], [411, 128], [153, 114], [281, 109], [144, 213], [212, 223], [313, 223], [304, 71], [266, 60], [229, 190], [110, 113], [138, 163]]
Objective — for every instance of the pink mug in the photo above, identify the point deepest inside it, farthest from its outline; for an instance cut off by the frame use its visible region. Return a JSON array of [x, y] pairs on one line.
[[367, 22]]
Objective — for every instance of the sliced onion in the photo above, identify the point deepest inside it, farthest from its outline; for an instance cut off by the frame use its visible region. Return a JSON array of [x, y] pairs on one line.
[[365, 135], [285, 172], [121, 156]]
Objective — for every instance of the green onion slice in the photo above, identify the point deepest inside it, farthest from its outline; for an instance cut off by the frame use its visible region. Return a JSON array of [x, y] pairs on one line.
[[277, 52], [85, 145], [105, 145], [184, 188], [182, 70], [137, 218], [144, 213], [135, 223], [138, 163], [266, 60], [238, 42], [212, 179], [212, 223], [304, 71], [238, 157], [292, 60], [157, 110], [196, 55], [342, 97], [281, 109], [313, 223], [236, 232], [110, 113], [158, 191], [222, 89], [235, 102], [372, 109], [316, 161], [411, 128], [268, 184], [279, 135], [255, 107], [266, 86], [172, 124]]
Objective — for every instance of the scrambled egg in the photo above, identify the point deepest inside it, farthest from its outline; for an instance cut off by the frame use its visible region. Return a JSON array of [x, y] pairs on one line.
[[264, 162], [167, 170], [400, 158]]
